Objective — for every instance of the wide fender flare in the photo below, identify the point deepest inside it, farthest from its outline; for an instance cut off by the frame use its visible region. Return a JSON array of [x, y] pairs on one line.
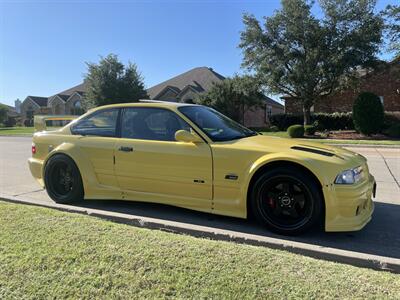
[[310, 164], [82, 162]]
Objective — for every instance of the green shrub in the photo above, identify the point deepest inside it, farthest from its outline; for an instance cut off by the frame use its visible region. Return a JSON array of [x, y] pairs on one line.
[[393, 131], [334, 121], [296, 131], [391, 118], [274, 128], [265, 129], [310, 129], [368, 114], [260, 129], [283, 121], [10, 122], [327, 121], [318, 126]]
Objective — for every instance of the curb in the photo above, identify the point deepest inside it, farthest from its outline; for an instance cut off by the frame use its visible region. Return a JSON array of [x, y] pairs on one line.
[[363, 260]]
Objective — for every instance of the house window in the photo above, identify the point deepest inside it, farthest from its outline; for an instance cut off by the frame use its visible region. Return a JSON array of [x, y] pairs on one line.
[[77, 108], [57, 109], [269, 112], [29, 113]]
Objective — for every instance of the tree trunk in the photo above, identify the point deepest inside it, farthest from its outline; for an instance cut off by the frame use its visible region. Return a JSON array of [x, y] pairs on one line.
[[306, 115], [243, 112]]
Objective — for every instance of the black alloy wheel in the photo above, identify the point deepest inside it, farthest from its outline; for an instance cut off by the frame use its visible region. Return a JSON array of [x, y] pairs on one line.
[[63, 180], [286, 200]]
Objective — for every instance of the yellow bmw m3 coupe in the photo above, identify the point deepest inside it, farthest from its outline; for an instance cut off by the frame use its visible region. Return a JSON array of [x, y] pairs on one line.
[[192, 156]]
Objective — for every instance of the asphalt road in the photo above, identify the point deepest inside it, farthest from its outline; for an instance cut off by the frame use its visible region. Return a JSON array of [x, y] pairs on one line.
[[380, 237]]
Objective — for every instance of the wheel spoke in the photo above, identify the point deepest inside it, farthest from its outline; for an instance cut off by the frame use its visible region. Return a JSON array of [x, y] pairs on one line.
[[277, 210], [61, 176], [299, 199], [293, 212], [285, 187]]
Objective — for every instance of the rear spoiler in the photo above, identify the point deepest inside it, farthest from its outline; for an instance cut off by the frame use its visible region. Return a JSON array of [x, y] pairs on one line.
[[40, 121]]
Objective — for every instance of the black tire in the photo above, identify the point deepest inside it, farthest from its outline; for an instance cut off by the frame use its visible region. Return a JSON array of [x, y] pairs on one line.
[[286, 200], [63, 180]]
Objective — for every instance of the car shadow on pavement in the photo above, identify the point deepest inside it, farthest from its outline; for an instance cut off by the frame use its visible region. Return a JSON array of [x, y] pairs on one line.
[[380, 237]]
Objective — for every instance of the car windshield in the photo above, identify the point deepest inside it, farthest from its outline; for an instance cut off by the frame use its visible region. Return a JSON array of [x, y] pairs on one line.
[[217, 126]]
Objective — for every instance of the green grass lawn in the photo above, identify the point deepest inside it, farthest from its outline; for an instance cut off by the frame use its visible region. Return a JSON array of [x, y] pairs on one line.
[[51, 254], [21, 131], [8, 131], [337, 141]]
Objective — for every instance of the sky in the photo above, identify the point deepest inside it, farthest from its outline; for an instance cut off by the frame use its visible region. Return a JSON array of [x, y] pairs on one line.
[[44, 44]]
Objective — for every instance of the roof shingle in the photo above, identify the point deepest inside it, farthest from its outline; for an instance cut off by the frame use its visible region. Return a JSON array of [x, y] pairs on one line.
[[41, 101], [80, 88], [200, 79]]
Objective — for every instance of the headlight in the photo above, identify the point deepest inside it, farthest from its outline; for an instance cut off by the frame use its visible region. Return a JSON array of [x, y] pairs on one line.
[[350, 176]]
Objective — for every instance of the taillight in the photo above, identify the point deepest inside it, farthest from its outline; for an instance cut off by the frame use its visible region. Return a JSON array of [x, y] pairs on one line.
[[33, 148]]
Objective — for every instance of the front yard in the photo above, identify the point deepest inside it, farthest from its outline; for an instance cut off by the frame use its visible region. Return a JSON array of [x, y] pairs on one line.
[[339, 141], [21, 131], [46, 254], [8, 131]]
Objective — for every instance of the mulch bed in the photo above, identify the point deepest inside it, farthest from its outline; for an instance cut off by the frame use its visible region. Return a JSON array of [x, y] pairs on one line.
[[351, 135]]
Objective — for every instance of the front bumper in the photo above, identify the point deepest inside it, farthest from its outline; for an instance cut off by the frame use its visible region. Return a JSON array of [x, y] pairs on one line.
[[349, 207]]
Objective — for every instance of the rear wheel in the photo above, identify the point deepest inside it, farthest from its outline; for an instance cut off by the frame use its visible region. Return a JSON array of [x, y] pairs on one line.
[[62, 180], [286, 200]]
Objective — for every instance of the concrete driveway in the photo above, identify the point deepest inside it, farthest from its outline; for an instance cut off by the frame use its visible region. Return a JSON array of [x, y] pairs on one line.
[[380, 237]]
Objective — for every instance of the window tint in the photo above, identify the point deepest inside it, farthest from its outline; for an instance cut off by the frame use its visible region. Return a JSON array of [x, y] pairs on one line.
[[100, 123], [217, 126], [151, 124]]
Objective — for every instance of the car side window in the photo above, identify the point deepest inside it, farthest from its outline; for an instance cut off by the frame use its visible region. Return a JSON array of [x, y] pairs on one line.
[[100, 123], [151, 124]]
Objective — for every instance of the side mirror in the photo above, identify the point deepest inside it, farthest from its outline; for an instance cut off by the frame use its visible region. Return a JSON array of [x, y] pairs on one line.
[[187, 137]]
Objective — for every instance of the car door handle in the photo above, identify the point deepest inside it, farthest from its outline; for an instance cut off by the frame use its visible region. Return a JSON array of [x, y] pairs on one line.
[[125, 149]]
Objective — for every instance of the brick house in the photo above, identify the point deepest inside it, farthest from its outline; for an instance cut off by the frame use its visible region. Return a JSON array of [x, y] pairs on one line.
[[181, 88], [384, 82], [67, 102]]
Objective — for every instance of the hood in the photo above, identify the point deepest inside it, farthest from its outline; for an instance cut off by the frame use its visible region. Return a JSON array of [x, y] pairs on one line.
[[277, 144]]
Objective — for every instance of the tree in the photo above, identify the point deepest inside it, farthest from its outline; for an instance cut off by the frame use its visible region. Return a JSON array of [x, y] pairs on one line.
[[368, 114], [3, 113], [392, 15], [297, 54], [110, 82], [233, 96]]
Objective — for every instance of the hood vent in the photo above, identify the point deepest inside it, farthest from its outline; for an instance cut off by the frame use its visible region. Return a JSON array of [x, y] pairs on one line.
[[312, 150]]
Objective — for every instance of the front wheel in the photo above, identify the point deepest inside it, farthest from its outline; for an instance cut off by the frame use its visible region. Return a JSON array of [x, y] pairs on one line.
[[63, 180], [286, 200]]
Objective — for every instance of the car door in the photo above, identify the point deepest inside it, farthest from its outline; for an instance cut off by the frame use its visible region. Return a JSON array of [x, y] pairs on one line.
[[151, 165], [97, 141]]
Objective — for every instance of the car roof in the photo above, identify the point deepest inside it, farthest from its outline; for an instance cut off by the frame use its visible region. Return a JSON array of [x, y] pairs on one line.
[[146, 103]]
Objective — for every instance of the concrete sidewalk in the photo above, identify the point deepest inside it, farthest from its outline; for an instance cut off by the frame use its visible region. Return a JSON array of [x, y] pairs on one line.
[[376, 246]]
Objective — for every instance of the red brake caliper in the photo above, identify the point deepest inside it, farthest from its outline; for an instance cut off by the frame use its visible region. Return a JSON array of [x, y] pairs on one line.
[[271, 202]]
